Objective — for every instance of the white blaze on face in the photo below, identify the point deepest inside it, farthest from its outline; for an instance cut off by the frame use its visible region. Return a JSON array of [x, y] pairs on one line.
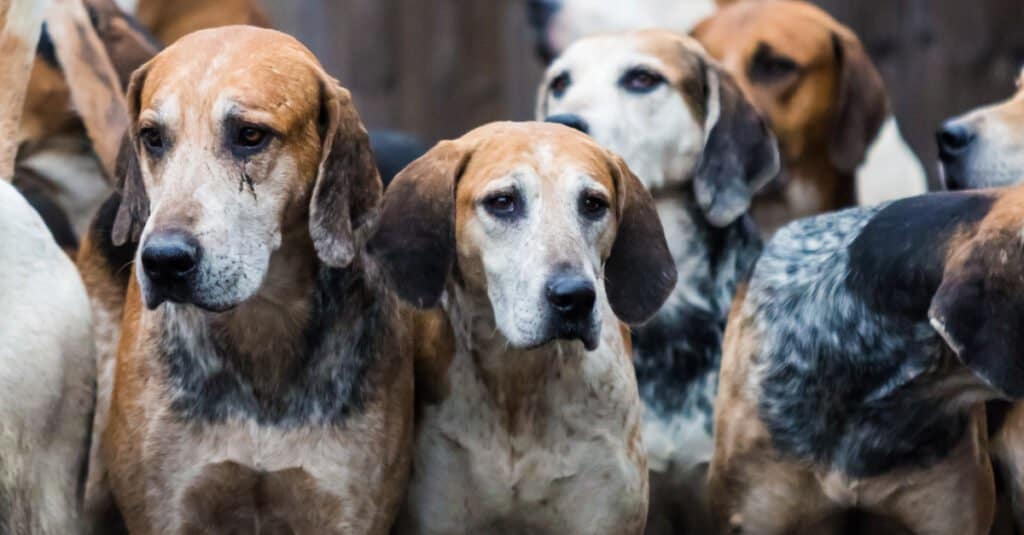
[[549, 236], [582, 18], [656, 132]]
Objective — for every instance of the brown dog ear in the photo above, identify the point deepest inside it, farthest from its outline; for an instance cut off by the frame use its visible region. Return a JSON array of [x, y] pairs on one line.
[[979, 311], [126, 42], [134, 209], [640, 272], [415, 238], [861, 105], [740, 153], [347, 192]]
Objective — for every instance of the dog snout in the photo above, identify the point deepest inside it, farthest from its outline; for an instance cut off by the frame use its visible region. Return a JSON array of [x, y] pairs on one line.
[[571, 120], [571, 296], [170, 257], [954, 139]]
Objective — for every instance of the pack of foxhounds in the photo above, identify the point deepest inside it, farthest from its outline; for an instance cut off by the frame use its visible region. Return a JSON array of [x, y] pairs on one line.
[[706, 292]]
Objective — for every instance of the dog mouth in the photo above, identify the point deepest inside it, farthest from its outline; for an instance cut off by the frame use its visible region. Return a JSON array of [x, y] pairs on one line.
[[581, 331], [180, 294]]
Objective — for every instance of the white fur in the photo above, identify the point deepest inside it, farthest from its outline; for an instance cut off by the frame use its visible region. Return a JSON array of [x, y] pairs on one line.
[[891, 170], [46, 372], [582, 18], [656, 133]]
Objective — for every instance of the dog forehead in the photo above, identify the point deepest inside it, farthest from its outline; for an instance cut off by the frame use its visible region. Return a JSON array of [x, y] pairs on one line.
[[677, 56], [247, 67], [549, 150], [795, 29]]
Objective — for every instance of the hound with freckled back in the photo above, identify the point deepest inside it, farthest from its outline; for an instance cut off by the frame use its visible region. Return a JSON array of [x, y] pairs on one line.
[[857, 363], [262, 382], [535, 241]]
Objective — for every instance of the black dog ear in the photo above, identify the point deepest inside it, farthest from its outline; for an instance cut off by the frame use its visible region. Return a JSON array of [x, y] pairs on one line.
[[862, 104], [348, 189], [415, 238], [640, 272], [979, 311], [740, 154], [134, 209]]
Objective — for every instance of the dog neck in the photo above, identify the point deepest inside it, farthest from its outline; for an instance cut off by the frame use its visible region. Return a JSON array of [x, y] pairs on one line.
[[296, 352]]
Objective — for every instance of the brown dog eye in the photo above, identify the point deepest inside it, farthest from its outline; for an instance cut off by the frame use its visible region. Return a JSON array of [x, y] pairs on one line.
[[767, 66], [560, 84], [593, 206], [502, 205], [639, 80], [152, 139], [251, 137]]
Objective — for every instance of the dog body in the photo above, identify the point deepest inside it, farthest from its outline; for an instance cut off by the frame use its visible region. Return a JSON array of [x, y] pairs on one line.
[[683, 126], [533, 423], [265, 386], [824, 99], [855, 367]]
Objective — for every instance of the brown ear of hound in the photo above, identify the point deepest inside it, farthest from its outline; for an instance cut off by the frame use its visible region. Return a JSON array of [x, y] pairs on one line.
[[815, 84], [535, 241], [924, 292], [302, 425]]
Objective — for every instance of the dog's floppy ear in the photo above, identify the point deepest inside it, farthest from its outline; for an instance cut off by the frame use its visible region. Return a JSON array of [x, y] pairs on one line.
[[127, 43], [861, 105], [979, 311], [740, 153], [134, 209], [347, 192], [640, 272], [415, 238]]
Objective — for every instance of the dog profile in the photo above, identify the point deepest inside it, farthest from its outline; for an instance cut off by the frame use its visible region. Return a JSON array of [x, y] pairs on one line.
[[536, 242], [261, 378], [826, 102], [686, 130]]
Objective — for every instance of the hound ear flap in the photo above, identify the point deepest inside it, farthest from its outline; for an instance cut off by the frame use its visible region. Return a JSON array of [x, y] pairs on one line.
[[862, 104], [347, 191], [415, 237], [640, 272], [740, 153], [979, 311], [134, 209]]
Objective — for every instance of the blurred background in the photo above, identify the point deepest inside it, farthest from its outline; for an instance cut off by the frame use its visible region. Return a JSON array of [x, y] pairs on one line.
[[440, 67]]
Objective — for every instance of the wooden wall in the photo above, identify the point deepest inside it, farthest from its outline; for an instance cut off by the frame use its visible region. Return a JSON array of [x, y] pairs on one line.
[[440, 67]]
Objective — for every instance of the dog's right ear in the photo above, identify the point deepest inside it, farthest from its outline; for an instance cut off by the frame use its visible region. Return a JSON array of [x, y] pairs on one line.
[[740, 153], [415, 238], [134, 210]]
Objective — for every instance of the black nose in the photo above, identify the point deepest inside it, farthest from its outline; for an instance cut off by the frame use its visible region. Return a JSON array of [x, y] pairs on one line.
[[572, 296], [170, 257], [954, 139], [570, 120]]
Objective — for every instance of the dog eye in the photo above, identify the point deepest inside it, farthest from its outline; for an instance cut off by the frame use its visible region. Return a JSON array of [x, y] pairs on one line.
[[593, 206], [153, 139], [560, 84], [641, 80], [501, 204], [250, 137], [769, 67]]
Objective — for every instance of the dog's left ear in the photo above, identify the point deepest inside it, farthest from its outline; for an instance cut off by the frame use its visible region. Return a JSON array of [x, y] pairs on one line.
[[861, 105], [979, 311], [639, 273], [740, 153], [347, 192]]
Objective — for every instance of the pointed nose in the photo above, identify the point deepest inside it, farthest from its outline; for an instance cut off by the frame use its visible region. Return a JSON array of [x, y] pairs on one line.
[[954, 139], [570, 120], [571, 296]]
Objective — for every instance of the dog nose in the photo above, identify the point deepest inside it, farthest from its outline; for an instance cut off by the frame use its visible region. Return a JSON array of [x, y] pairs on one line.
[[573, 297], [170, 257], [953, 138], [570, 120]]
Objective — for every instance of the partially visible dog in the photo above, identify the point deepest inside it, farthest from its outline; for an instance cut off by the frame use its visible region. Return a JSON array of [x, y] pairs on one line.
[[46, 351], [857, 362], [985, 147], [263, 383], [536, 241], [559, 23], [826, 102], [683, 125]]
